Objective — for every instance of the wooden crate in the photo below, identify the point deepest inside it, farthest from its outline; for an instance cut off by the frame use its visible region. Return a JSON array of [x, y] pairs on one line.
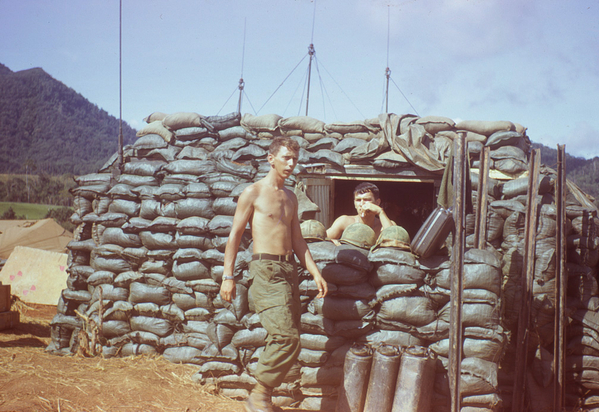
[[4, 298], [8, 320]]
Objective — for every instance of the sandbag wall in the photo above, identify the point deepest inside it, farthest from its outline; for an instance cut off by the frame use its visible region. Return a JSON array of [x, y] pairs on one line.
[[147, 261]]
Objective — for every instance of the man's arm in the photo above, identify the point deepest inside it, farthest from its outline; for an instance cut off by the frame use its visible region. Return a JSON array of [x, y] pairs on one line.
[[302, 252], [380, 212], [243, 212], [338, 226]]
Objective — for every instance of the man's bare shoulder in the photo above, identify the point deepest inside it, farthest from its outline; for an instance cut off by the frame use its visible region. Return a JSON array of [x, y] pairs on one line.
[[252, 191], [346, 219]]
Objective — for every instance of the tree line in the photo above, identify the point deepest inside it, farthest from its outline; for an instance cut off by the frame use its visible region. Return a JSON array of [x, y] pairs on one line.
[[41, 189]]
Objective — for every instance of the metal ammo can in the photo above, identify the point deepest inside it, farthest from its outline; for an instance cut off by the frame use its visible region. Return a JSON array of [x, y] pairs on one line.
[[356, 370], [383, 374], [415, 380]]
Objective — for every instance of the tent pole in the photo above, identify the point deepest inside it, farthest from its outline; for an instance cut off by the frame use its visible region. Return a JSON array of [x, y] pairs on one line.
[[457, 270], [527, 278], [561, 284]]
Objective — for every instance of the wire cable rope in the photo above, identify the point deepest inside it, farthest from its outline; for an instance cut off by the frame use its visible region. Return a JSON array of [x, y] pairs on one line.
[[284, 80], [415, 111]]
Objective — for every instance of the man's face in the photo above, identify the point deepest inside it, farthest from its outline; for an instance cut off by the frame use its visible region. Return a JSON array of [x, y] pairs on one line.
[[361, 198], [283, 162]]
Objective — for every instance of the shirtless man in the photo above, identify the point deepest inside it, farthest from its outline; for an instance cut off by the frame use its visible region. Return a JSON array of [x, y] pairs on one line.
[[271, 210], [367, 204]]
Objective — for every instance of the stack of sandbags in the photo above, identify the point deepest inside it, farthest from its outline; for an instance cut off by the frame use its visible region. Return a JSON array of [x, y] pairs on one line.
[[582, 368], [401, 304], [331, 324], [147, 259], [484, 337]]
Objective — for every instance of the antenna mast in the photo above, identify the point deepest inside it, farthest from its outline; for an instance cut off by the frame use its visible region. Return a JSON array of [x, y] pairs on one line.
[[387, 70], [120, 155], [311, 52], [241, 82]]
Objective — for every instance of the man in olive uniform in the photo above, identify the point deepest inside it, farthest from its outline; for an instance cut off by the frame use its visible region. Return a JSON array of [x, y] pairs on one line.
[[271, 209]]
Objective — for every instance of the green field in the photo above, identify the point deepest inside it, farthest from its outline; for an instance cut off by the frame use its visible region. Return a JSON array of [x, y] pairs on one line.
[[29, 210]]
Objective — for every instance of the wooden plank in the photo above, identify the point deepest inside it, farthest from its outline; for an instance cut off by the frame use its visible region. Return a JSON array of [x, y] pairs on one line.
[[480, 228], [561, 283], [4, 298], [8, 320], [528, 269], [457, 270]]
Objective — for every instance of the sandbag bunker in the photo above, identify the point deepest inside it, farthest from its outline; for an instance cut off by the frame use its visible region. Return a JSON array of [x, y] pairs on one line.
[[146, 264]]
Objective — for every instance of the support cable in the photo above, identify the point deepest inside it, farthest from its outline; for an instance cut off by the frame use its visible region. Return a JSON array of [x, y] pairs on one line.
[[250, 102], [306, 81], [284, 80], [322, 91], [415, 111], [343, 91], [223, 106]]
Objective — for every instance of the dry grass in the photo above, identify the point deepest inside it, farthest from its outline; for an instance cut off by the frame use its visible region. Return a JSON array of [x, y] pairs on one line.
[[33, 380]]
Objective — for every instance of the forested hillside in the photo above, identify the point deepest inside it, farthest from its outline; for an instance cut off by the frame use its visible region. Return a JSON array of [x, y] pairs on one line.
[[583, 172], [51, 128]]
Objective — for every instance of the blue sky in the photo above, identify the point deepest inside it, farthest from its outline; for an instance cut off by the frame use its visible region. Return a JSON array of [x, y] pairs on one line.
[[534, 62]]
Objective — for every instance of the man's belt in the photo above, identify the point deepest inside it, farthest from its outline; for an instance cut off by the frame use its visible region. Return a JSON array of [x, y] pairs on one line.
[[278, 258]]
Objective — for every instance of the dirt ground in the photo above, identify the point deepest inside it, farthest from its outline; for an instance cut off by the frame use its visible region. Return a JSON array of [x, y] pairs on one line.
[[33, 380]]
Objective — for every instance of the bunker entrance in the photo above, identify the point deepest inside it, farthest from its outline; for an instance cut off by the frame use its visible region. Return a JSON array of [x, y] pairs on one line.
[[406, 203]]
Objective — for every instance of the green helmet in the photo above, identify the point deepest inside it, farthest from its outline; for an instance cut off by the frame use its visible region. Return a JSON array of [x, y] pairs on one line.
[[359, 234], [394, 236], [313, 230]]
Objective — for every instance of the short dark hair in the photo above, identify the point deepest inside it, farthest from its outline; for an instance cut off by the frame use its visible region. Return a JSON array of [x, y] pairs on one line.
[[366, 187], [285, 141]]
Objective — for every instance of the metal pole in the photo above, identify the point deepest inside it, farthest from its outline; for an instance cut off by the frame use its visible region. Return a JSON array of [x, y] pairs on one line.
[[241, 85], [120, 142], [457, 270], [561, 284], [528, 269], [311, 53], [480, 229], [387, 75]]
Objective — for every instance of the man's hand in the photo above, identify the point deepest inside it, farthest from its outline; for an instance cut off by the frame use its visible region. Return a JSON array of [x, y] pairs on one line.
[[369, 207], [323, 288], [227, 290]]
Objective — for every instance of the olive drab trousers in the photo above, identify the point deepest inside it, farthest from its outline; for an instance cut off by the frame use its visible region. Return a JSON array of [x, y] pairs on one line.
[[275, 293]]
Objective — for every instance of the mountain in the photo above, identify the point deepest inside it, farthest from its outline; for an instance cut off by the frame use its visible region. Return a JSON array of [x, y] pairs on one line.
[[583, 172], [50, 127]]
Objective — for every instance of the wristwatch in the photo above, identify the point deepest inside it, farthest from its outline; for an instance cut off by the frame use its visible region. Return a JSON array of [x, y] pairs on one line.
[[228, 277]]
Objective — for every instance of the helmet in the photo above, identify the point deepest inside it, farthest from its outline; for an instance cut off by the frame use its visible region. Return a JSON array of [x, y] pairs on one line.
[[394, 236], [313, 230], [359, 234]]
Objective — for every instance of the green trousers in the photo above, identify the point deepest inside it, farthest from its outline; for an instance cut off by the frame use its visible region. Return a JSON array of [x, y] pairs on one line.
[[275, 293]]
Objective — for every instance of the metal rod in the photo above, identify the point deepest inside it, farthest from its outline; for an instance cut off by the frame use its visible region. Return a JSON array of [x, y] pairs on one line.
[[120, 141], [528, 269], [561, 283], [311, 53], [480, 228], [457, 270], [387, 75]]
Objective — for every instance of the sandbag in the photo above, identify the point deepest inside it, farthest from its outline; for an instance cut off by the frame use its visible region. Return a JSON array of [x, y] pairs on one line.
[[160, 327], [339, 308], [140, 293], [412, 310]]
